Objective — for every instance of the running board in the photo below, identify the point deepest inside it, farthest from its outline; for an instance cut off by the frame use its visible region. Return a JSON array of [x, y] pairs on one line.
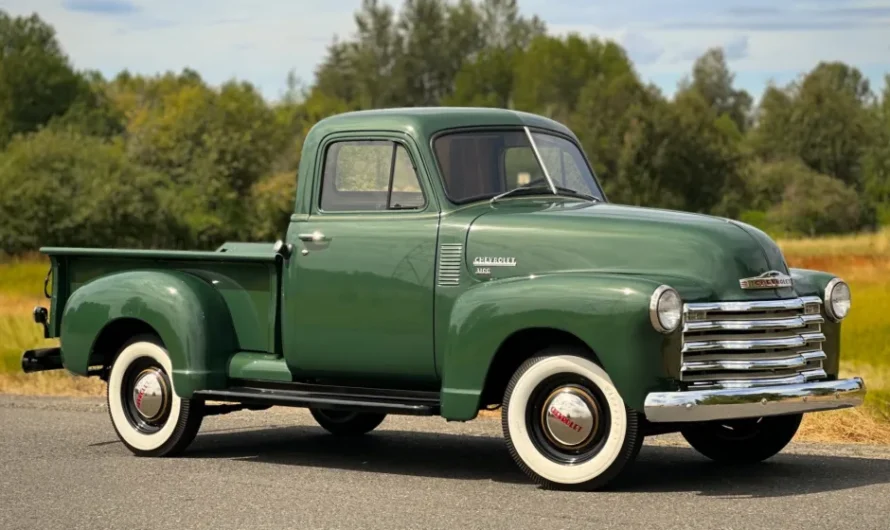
[[340, 398]]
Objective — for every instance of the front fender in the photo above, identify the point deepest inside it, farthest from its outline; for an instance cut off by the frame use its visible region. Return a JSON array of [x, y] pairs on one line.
[[188, 314], [609, 313]]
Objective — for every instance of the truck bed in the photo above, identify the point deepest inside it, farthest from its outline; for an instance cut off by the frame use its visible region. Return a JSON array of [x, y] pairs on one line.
[[247, 275]]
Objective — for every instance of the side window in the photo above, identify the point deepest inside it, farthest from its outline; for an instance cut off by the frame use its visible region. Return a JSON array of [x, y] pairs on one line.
[[369, 175]]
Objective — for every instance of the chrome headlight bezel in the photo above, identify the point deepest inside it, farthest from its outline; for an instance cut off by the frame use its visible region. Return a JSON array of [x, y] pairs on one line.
[[828, 299], [663, 295]]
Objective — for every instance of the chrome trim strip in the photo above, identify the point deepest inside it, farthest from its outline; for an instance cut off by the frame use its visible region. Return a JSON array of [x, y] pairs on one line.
[[801, 321], [725, 404], [531, 139], [785, 363], [753, 305], [753, 344]]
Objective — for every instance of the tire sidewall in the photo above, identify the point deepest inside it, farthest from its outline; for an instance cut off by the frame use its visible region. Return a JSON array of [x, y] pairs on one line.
[[137, 441], [520, 439]]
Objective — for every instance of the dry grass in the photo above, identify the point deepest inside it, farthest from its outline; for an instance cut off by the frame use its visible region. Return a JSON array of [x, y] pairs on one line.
[[866, 244], [55, 383]]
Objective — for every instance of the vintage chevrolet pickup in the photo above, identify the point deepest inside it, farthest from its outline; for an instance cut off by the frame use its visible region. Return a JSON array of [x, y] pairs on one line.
[[445, 261]]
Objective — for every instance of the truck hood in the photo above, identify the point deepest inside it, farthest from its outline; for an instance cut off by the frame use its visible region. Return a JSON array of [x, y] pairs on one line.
[[701, 256]]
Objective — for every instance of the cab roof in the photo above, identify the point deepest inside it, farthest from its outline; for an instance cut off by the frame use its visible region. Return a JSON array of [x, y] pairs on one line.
[[423, 122]]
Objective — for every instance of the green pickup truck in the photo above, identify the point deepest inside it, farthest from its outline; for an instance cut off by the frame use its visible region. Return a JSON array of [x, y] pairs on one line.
[[446, 261]]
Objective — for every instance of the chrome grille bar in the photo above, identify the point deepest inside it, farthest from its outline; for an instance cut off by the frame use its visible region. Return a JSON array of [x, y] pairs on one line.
[[754, 305], [752, 343], [797, 361], [796, 379], [794, 341], [754, 325]]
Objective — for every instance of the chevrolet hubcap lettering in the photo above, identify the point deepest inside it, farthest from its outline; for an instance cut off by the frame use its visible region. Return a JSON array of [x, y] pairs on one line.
[[570, 417], [150, 394]]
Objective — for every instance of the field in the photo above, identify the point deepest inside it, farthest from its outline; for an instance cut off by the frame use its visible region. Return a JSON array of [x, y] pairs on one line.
[[862, 260]]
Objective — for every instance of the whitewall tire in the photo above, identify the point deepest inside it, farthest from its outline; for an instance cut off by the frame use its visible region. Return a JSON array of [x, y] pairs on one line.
[[565, 423], [148, 416]]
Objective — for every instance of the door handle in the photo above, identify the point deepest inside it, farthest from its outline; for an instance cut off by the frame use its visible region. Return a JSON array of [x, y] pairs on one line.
[[314, 237]]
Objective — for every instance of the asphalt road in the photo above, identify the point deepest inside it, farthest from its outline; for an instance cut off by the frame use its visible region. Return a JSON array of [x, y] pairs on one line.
[[62, 467]]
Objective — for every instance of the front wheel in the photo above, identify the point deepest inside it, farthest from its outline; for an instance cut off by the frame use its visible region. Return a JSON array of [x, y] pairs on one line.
[[347, 423], [565, 423], [148, 416], [745, 441]]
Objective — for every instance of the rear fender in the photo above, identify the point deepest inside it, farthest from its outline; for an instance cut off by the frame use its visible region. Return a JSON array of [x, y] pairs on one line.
[[188, 314], [609, 313]]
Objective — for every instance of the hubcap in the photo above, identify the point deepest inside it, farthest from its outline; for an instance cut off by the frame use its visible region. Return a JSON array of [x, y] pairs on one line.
[[150, 394], [569, 417]]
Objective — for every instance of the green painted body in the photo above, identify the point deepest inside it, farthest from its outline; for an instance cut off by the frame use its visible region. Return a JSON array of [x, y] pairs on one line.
[[364, 307]]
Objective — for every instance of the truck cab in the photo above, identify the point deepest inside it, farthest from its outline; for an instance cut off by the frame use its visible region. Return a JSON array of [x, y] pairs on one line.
[[444, 261]]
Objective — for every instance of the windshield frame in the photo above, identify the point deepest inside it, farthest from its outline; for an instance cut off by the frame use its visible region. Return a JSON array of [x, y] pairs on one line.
[[528, 131]]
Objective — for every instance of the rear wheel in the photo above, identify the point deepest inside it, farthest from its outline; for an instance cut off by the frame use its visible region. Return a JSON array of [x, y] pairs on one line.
[[744, 441], [148, 416], [347, 423], [565, 424]]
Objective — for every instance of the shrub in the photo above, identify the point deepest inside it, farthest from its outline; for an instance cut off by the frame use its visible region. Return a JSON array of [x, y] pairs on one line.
[[814, 204], [63, 188]]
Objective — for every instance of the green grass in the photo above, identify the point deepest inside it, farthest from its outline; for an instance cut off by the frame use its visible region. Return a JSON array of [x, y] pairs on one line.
[[23, 278], [865, 341], [17, 334]]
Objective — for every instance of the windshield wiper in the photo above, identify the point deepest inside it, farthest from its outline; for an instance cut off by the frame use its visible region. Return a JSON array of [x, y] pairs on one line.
[[536, 188], [521, 189]]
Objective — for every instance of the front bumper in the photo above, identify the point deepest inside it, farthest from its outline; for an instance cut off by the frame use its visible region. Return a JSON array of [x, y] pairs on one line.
[[725, 404]]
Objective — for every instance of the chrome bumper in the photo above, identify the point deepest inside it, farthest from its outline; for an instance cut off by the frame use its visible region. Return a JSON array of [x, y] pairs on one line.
[[725, 404]]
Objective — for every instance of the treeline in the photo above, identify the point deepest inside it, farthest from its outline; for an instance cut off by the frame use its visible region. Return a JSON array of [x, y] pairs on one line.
[[170, 161]]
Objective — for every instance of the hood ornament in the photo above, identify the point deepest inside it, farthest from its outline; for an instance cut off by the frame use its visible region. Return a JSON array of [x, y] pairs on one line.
[[767, 280]]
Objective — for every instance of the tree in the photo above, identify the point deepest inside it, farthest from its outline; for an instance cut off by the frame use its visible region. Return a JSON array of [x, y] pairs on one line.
[[430, 53], [815, 204], [214, 144], [876, 160], [37, 82], [822, 119], [486, 77], [676, 155], [551, 75], [712, 79], [65, 188]]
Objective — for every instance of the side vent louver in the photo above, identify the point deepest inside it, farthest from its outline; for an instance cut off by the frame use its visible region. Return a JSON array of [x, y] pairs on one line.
[[450, 258]]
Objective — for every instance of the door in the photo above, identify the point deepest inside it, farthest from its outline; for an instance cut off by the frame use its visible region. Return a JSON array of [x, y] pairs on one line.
[[360, 284]]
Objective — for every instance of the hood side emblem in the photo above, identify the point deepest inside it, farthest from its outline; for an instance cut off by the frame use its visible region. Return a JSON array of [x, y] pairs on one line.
[[494, 262], [767, 280]]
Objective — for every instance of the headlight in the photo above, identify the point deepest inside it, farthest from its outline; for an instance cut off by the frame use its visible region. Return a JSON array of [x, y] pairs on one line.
[[665, 309], [837, 299]]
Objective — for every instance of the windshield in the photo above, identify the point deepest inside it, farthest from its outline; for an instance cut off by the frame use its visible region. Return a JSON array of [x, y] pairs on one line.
[[482, 164]]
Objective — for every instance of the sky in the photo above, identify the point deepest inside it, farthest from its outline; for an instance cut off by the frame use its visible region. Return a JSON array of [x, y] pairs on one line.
[[262, 40]]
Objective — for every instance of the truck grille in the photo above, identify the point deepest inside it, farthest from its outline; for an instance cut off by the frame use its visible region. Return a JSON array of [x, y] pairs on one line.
[[751, 344]]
